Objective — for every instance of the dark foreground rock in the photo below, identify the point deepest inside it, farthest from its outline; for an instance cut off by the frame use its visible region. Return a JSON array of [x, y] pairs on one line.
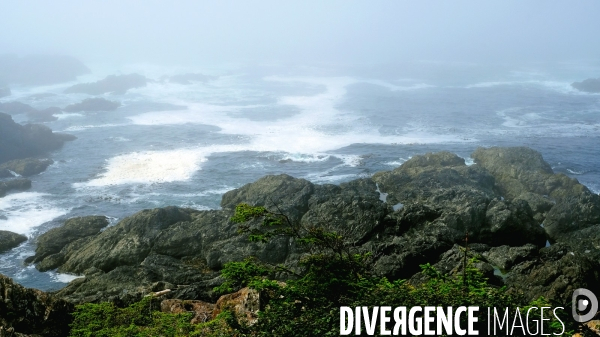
[[421, 212], [22, 141], [27, 167], [14, 184], [591, 85], [116, 84], [9, 240], [93, 104], [31, 311]]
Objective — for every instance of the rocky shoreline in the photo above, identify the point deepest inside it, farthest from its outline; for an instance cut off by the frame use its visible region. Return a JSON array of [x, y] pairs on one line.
[[533, 231]]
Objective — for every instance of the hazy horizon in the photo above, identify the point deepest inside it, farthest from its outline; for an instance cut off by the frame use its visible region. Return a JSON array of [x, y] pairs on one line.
[[308, 32]]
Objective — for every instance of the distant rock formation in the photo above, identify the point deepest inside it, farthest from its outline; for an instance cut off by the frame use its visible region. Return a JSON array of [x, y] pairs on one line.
[[116, 84], [26, 167], [30, 140], [14, 184], [92, 105], [9, 240], [39, 69], [4, 91], [591, 85], [15, 108]]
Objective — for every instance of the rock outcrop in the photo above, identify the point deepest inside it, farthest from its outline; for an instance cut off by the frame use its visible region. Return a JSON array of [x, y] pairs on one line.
[[57, 244], [92, 105], [9, 240], [591, 85], [39, 69], [116, 84], [31, 311], [27, 167], [14, 184], [22, 141], [433, 203]]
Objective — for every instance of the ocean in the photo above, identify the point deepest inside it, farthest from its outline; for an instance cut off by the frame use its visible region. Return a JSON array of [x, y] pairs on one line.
[[186, 145]]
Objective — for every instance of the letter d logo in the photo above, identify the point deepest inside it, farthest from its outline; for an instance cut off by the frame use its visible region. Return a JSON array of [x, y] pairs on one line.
[[583, 301]]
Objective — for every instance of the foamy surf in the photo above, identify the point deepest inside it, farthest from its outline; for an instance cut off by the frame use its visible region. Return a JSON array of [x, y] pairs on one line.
[[27, 210], [148, 167]]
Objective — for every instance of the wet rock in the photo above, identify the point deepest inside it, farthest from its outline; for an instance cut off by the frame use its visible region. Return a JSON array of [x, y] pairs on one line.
[[14, 184], [9, 240], [92, 105], [115, 84], [28, 166], [22, 141], [31, 311], [591, 85]]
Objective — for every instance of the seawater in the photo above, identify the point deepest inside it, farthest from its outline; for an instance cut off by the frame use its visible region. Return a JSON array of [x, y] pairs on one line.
[[186, 145]]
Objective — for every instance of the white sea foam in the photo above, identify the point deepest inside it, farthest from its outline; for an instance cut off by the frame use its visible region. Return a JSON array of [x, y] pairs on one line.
[[27, 210], [66, 115], [393, 87], [63, 278], [148, 167], [574, 172], [319, 128], [90, 126]]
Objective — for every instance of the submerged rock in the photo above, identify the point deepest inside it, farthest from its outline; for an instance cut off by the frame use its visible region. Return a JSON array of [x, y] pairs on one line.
[[93, 104], [9, 240], [116, 84], [22, 141]]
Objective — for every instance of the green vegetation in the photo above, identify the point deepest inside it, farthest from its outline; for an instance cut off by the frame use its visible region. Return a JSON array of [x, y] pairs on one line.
[[330, 274]]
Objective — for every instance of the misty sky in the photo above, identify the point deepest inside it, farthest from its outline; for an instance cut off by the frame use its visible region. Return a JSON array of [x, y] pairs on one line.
[[303, 32]]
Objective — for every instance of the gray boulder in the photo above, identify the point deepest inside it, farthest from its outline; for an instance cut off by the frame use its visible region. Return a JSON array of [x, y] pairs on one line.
[[27, 167], [92, 105], [9, 240], [22, 141], [116, 84], [591, 85], [14, 184]]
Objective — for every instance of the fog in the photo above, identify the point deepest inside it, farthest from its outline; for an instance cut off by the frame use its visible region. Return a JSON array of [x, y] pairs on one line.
[[302, 32]]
